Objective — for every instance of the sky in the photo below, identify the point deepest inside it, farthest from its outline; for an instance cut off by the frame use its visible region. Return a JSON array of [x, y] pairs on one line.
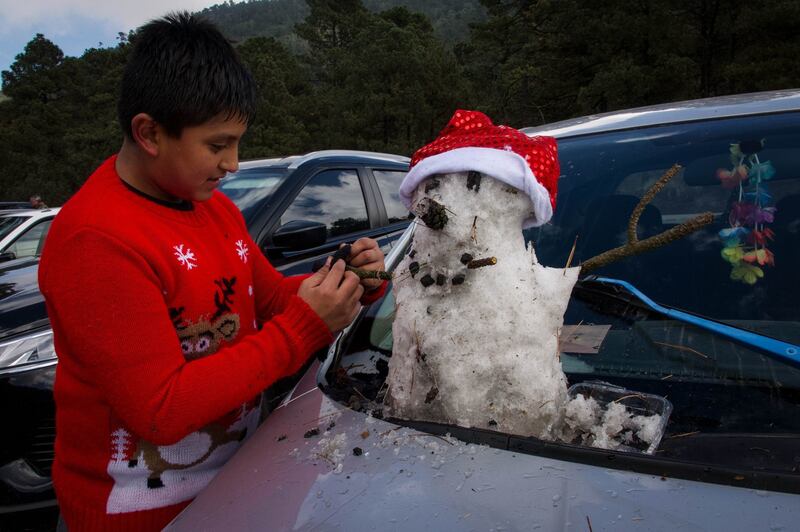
[[75, 25]]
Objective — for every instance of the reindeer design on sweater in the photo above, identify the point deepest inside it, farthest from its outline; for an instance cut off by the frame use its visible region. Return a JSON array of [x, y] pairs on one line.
[[198, 339], [204, 337]]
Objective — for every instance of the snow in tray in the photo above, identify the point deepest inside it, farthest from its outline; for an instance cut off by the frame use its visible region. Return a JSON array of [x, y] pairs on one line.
[[612, 427]]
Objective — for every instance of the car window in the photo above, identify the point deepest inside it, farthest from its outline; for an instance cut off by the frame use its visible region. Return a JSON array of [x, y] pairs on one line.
[[604, 176], [334, 198], [9, 223], [29, 243], [389, 185], [734, 405], [251, 188]]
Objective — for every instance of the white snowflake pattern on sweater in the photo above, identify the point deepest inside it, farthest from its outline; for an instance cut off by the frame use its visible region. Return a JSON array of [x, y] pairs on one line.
[[186, 258], [242, 250]]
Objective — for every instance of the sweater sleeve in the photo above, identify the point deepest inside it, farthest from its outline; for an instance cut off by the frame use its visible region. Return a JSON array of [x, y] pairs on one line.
[[272, 289], [112, 321]]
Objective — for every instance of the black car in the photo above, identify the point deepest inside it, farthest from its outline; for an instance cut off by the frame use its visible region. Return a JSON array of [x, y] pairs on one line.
[[297, 209], [301, 208]]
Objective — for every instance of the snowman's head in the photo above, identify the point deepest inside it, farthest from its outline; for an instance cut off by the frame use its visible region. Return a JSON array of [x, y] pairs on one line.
[[471, 145]]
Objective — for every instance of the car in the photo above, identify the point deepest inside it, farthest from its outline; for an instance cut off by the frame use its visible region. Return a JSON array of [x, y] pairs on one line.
[[680, 322], [22, 232], [297, 209], [301, 208]]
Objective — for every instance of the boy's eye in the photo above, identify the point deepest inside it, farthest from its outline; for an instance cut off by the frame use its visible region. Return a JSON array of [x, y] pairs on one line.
[[217, 147]]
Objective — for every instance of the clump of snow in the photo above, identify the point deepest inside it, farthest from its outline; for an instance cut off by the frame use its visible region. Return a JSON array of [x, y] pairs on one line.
[[610, 427], [478, 347], [332, 450]]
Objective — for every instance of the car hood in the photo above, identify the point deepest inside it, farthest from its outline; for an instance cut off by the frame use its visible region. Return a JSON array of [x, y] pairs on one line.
[[21, 304], [362, 473]]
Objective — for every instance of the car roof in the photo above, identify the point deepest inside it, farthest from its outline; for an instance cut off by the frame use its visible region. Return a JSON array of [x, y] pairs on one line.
[[295, 161], [31, 212], [670, 113]]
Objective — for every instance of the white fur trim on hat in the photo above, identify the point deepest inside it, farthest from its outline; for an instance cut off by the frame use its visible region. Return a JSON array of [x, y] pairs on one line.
[[505, 166]]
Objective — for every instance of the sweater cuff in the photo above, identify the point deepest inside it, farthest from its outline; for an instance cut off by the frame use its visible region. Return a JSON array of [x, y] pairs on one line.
[[371, 297]]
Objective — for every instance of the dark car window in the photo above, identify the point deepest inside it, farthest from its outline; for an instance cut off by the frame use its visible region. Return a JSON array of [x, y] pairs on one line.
[[389, 185], [249, 188], [735, 407], [334, 198]]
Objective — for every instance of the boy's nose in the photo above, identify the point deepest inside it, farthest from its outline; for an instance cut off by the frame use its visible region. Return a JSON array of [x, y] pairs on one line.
[[230, 163]]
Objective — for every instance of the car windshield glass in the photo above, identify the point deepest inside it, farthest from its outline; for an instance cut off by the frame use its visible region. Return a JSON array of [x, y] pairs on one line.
[[251, 188], [9, 223], [605, 175], [734, 406]]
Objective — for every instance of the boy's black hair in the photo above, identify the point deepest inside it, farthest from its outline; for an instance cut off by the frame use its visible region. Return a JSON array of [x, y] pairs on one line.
[[183, 72]]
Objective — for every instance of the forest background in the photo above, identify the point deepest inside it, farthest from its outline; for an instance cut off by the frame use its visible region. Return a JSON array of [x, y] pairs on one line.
[[386, 75]]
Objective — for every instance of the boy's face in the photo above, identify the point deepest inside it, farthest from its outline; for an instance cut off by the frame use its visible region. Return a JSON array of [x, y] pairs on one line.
[[191, 166]]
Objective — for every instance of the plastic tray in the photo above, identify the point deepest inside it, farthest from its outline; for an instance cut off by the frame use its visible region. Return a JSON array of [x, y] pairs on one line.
[[640, 404]]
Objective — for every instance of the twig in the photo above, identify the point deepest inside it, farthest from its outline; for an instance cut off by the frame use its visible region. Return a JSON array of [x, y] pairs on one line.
[[589, 522], [474, 231], [685, 434], [370, 274], [480, 263], [634, 246], [667, 377], [364, 397], [571, 255], [682, 348], [657, 241], [647, 198], [627, 397]]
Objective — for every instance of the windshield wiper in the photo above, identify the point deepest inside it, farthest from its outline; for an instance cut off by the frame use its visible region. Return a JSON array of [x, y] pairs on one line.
[[783, 351]]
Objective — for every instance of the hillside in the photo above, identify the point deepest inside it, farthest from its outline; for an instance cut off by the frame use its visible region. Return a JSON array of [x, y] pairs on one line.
[[276, 18]]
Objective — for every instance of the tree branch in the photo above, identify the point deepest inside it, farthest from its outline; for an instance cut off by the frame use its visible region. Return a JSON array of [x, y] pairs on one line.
[[634, 246]]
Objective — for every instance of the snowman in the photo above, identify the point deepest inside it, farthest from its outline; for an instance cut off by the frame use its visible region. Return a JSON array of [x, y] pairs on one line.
[[477, 317]]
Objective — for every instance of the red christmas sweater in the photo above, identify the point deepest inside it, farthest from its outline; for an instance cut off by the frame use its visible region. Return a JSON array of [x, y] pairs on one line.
[[168, 323]]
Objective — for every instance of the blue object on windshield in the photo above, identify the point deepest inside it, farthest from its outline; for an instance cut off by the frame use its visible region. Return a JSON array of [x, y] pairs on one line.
[[784, 351]]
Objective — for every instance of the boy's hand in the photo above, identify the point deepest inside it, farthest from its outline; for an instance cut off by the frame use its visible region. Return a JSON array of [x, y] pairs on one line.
[[333, 294], [367, 255]]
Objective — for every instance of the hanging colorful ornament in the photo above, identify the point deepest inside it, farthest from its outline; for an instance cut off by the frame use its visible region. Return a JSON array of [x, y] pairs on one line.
[[745, 241]]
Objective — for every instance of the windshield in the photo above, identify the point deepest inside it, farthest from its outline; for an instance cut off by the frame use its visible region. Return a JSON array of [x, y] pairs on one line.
[[605, 175], [251, 188], [734, 406], [9, 223]]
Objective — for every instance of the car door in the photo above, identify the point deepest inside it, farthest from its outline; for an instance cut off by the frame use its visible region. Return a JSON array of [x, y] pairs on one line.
[[334, 197]]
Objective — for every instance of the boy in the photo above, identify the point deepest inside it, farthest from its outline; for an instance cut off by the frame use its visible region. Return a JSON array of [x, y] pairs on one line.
[[167, 320]]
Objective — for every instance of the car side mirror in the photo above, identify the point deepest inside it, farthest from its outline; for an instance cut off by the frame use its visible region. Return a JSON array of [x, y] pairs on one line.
[[300, 234], [8, 255]]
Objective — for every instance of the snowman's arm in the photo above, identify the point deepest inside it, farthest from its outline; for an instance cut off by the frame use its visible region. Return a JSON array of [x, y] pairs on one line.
[[634, 246]]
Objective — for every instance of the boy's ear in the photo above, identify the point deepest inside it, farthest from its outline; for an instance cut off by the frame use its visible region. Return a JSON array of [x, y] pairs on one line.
[[147, 133]]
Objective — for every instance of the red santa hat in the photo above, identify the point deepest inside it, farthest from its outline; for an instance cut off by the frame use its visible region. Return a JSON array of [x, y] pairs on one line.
[[470, 142]]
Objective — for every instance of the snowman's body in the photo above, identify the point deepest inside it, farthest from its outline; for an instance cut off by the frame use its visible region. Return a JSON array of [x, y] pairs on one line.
[[483, 351]]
